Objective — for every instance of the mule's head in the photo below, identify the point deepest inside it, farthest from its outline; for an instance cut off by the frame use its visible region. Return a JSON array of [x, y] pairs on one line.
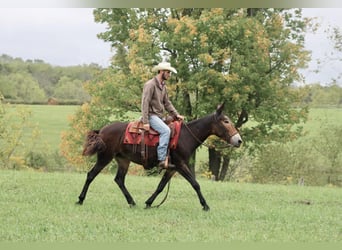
[[225, 129]]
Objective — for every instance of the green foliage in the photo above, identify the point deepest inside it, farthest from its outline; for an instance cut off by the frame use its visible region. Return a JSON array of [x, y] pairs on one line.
[[38, 138], [36, 81], [69, 89], [38, 207], [46, 160], [13, 124], [314, 159], [21, 87], [36, 159], [330, 148]]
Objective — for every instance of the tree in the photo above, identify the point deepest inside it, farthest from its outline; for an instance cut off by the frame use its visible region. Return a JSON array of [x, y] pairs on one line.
[[13, 123], [336, 37], [332, 154], [36, 81], [248, 58], [69, 89], [21, 87]]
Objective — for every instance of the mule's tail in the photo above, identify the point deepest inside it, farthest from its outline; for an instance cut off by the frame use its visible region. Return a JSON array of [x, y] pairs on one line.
[[93, 143]]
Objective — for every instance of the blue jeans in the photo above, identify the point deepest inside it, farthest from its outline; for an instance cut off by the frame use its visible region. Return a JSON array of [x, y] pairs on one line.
[[159, 125]]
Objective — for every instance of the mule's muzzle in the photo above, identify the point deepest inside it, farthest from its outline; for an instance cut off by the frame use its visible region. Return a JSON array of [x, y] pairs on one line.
[[236, 140]]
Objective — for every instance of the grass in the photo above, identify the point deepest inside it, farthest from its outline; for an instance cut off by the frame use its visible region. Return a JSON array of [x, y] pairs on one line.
[[40, 207], [321, 119], [51, 121]]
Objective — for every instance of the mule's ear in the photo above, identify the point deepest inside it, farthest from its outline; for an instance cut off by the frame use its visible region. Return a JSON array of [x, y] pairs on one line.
[[220, 109]]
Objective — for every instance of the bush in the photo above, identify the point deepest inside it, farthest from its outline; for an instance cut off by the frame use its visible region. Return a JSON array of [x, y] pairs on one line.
[[299, 162], [51, 161], [36, 160]]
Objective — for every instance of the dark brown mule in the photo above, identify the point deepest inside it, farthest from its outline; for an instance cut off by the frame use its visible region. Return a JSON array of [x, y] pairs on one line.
[[108, 144]]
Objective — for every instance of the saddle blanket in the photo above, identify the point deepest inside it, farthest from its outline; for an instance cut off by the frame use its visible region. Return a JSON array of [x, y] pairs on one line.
[[151, 138]]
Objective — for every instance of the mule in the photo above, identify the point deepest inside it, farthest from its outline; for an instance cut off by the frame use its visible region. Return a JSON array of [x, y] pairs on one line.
[[108, 144]]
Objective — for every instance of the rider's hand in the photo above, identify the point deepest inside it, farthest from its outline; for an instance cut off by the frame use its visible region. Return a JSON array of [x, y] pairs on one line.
[[180, 118], [146, 126]]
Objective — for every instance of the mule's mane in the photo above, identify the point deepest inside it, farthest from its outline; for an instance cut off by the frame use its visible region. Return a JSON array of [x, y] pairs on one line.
[[200, 120]]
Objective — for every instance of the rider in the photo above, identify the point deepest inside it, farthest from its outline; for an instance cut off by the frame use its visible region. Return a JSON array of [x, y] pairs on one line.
[[154, 102]]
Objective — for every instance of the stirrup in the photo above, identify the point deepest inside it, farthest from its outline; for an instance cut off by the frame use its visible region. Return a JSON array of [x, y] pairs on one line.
[[162, 165]]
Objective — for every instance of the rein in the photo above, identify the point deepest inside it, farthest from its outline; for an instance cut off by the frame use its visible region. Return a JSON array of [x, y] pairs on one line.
[[165, 197]]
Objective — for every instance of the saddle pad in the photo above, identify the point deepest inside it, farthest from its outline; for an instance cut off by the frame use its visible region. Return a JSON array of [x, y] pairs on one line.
[[151, 138]]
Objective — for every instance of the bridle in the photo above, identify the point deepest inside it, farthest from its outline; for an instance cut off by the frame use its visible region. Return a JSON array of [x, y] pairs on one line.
[[206, 144]]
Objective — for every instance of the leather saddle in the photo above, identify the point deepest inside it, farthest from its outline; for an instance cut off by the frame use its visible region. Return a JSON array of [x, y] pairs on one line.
[[134, 132]]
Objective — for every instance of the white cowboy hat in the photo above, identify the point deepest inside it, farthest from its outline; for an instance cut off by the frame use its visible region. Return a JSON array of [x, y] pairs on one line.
[[164, 66]]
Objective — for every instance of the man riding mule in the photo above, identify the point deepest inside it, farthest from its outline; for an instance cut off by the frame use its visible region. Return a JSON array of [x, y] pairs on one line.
[[154, 103], [110, 142]]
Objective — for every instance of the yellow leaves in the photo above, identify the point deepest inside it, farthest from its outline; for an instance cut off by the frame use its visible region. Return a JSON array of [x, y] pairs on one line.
[[236, 97], [143, 36], [219, 29], [206, 58], [277, 21], [217, 11], [185, 25], [85, 108], [210, 90], [233, 77], [140, 35], [248, 33], [208, 175], [139, 70], [246, 89], [203, 40], [132, 34]]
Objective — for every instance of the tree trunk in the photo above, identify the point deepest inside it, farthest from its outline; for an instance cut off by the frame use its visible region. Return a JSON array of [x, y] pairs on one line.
[[224, 168], [214, 162]]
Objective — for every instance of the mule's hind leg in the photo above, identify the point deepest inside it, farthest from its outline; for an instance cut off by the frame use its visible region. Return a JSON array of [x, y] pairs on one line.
[[166, 178], [101, 162], [123, 165]]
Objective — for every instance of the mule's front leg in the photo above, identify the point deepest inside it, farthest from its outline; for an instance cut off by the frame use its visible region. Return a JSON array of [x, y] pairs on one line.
[[187, 174], [166, 178], [102, 161]]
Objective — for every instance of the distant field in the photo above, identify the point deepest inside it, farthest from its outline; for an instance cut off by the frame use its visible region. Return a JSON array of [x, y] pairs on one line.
[[51, 121], [322, 119], [40, 207]]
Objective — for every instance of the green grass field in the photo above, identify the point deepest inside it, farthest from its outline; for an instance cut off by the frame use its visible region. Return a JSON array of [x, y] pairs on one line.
[[40, 207], [321, 119], [51, 121]]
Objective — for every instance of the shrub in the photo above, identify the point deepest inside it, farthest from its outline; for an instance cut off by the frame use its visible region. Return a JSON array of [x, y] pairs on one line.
[[300, 162]]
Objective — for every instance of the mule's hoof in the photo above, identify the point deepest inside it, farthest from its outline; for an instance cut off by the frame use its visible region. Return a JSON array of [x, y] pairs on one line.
[[132, 205], [148, 206], [206, 208], [79, 203]]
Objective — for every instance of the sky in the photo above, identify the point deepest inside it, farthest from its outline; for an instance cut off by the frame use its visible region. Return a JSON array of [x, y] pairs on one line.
[[68, 36], [59, 36]]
